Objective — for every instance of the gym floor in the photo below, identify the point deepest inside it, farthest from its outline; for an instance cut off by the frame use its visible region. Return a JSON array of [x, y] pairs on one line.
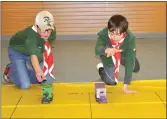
[[75, 60]]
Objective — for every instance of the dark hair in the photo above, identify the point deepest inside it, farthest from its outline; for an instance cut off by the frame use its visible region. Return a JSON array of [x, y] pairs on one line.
[[118, 22]]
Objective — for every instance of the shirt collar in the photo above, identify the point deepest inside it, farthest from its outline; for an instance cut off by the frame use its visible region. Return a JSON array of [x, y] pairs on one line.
[[33, 27], [109, 34]]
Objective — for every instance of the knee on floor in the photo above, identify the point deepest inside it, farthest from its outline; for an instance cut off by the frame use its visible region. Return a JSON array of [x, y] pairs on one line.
[[111, 83], [25, 86]]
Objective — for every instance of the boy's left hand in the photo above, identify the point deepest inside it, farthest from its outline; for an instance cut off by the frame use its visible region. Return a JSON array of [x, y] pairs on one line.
[[127, 91]]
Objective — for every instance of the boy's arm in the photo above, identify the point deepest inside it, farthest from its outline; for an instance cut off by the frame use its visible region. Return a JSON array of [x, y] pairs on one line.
[[38, 71], [35, 63], [129, 59], [34, 53], [100, 47]]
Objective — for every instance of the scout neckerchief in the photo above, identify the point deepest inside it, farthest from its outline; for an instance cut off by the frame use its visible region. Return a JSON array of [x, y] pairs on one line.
[[48, 60], [116, 57]]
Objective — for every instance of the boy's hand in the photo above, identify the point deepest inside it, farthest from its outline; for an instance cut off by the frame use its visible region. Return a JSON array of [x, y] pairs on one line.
[[111, 51], [127, 91], [40, 76], [38, 72]]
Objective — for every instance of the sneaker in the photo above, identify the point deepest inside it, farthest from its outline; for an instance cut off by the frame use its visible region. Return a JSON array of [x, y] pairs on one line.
[[100, 69], [5, 75]]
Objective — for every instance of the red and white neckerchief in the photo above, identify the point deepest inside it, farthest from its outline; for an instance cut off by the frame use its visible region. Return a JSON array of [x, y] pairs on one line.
[[48, 60], [116, 57]]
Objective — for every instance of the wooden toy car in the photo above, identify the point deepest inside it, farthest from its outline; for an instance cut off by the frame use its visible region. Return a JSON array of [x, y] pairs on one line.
[[100, 93]]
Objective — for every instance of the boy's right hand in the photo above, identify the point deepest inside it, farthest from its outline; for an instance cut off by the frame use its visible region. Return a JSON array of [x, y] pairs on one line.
[[110, 52], [40, 75], [38, 71]]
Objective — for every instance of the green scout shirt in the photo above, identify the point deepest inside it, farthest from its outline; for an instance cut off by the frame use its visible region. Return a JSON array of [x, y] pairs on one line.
[[128, 47], [28, 42]]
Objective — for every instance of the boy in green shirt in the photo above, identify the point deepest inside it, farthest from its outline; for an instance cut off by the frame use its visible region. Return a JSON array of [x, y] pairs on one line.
[[27, 47], [114, 44]]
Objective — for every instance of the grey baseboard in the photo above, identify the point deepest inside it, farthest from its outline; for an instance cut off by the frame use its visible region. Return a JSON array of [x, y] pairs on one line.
[[94, 37], [150, 35]]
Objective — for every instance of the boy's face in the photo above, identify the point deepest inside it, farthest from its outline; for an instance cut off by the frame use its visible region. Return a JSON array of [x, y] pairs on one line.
[[45, 35], [116, 35]]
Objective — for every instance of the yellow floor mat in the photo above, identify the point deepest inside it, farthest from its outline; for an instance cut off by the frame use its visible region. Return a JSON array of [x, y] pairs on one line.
[[76, 100], [10, 98]]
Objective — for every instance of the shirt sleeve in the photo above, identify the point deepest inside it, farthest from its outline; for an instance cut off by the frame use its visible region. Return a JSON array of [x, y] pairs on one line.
[[100, 46], [130, 59]]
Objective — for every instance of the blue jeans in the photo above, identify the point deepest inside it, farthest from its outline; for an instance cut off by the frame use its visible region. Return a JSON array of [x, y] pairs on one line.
[[20, 75]]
